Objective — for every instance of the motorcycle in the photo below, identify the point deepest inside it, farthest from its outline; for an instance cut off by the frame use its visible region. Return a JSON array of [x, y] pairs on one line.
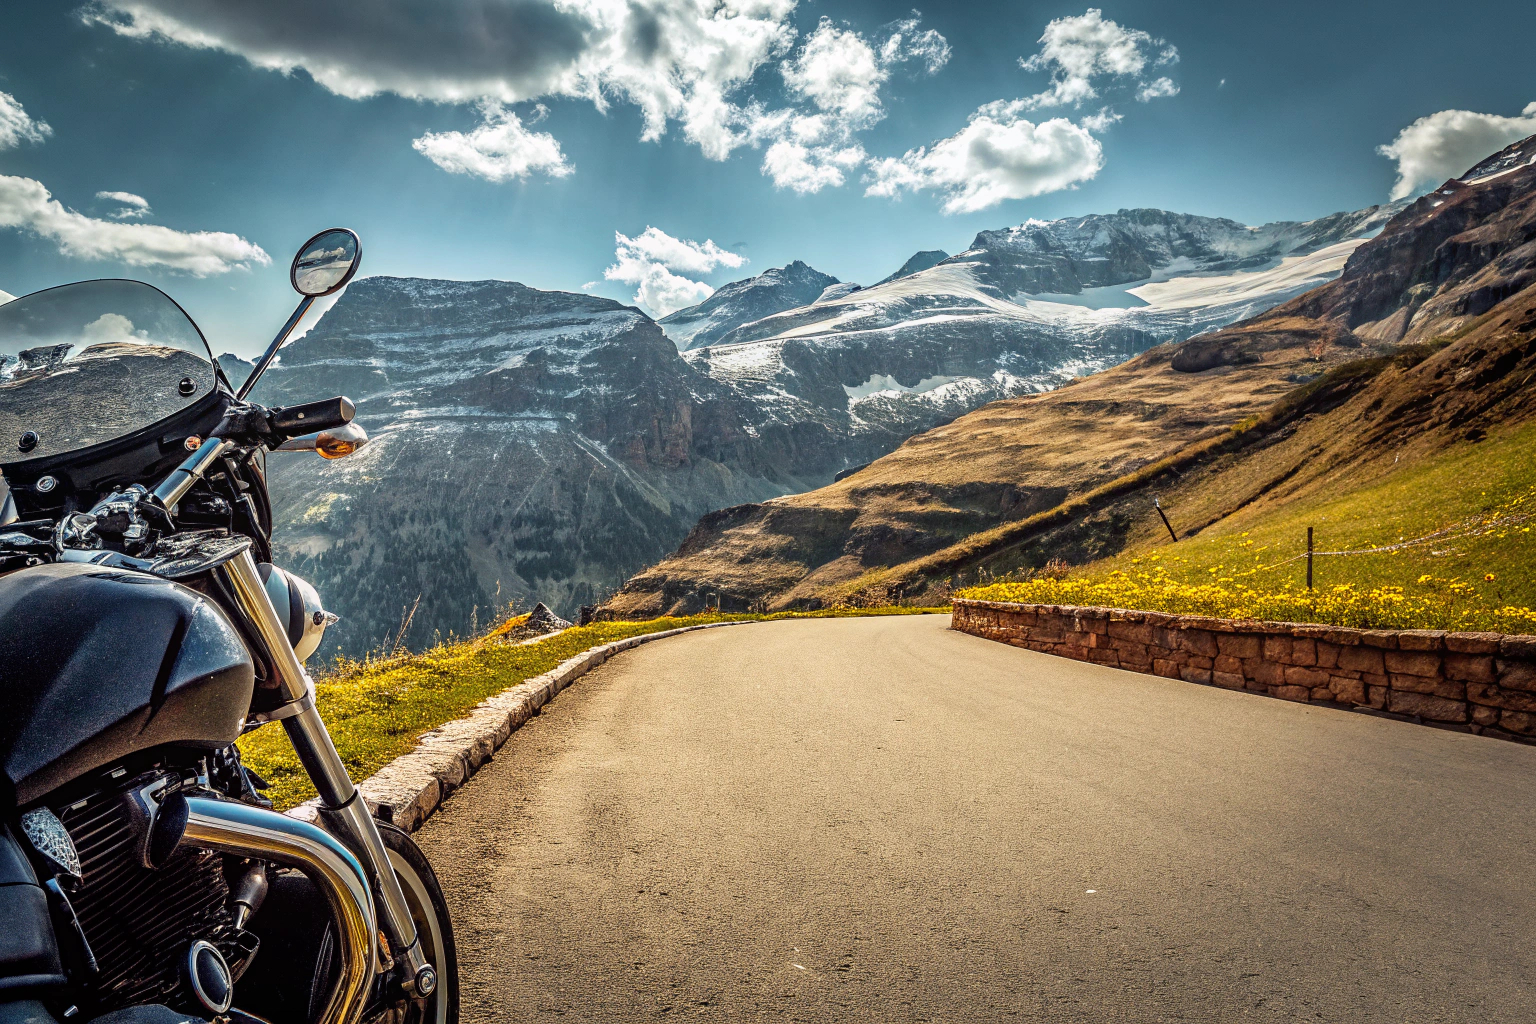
[[143, 630]]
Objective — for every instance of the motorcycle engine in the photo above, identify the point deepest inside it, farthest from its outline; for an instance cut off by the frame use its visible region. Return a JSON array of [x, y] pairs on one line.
[[141, 923]]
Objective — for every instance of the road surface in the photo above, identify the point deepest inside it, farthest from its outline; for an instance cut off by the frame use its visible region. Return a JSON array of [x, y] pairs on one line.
[[883, 820]]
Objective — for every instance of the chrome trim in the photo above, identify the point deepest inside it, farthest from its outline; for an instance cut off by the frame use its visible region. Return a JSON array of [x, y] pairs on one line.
[[195, 977], [246, 831], [175, 487]]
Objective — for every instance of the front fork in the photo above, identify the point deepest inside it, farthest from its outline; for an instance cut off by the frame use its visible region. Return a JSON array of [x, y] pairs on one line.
[[342, 808]]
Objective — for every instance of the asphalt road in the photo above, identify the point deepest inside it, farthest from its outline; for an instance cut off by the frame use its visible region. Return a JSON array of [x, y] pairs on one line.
[[883, 820]]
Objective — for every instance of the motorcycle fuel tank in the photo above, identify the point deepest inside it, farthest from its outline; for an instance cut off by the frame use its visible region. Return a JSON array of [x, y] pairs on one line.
[[97, 664]]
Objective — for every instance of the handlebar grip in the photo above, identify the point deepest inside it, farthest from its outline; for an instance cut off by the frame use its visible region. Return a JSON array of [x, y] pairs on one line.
[[296, 420]]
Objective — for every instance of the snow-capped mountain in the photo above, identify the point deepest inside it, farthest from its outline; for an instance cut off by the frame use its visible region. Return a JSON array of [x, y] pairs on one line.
[[545, 445], [1023, 310], [918, 261], [742, 301]]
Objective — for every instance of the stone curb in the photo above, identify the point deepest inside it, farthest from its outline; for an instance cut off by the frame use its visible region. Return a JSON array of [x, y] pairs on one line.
[[406, 791]]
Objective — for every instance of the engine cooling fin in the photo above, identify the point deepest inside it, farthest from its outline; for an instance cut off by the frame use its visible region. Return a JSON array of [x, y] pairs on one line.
[[141, 922]]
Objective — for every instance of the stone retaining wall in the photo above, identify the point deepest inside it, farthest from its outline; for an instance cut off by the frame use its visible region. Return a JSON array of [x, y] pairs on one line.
[[1483, 682]]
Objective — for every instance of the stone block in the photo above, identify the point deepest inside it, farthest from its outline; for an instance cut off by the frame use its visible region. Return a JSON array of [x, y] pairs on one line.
[[1485, 715], [1516, 674], [1518, 647], [1362, 659], [1198, 641], [1421, 640], [1130, 650], [1300, 675], [1296, 693], [1347, 689], [1104, 656], [1453, 688], [1164, 667], [1413, 663], [1426, 705], [1382, 638], [1277, 649], [1473, 643], [1227, 663], [1196, 661], [1303, 651], [1518, 721], [1230, 680], [1239, 646], [1327, 654], [1494, 696], [1136, 632], [1310, 631], [1322, 693], [1471, 668], [1191, 674], [1376, 696], [1343, 637], [1267, 673]]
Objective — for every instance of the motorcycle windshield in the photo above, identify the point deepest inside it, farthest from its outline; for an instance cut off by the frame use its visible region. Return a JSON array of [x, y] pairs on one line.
[[85, 363]]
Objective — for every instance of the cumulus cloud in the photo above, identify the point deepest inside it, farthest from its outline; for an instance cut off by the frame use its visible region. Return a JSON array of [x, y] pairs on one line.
[[810, 169], [132, 206], [26, 205], [991, 160], [17, 126], [674, 59], [1158, 87], [1077, 50], [839, 73], [655, 264], [1449, 143], [501, 148]]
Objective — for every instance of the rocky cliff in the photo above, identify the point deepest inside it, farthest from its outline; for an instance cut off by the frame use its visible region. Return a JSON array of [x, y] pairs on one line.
[[744, 301]]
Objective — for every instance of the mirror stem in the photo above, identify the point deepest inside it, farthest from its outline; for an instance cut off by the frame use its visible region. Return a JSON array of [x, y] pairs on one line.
[[277, 343]]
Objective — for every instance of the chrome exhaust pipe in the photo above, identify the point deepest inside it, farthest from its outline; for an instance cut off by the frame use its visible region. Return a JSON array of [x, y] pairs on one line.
[[246, 831]]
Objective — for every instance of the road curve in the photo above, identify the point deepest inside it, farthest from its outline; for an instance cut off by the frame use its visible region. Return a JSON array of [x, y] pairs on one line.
[[883, 820]]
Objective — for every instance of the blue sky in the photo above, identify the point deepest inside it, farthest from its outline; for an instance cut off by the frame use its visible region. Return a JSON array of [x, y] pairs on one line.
[[182, 108]]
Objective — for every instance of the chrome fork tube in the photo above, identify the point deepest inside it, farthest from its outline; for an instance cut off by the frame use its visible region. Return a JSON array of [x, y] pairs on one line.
[[343, 808]]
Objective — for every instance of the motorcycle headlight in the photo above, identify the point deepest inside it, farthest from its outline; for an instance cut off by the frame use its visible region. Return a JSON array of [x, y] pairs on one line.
[[299, 606]]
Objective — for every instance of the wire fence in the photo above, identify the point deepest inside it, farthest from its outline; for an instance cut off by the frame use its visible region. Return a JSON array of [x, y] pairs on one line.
[[1471, 527]]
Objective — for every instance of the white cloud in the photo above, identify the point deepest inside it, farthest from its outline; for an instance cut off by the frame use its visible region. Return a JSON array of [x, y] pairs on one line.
[[674, 59], [1449, 143], [1154, 89], [806, 169], [132, 206], [991, 160], [839, 72], [907, 43], [655, 262], [501, 148], [17, 126], [1076, 50], [27, 206], [1101, 121]]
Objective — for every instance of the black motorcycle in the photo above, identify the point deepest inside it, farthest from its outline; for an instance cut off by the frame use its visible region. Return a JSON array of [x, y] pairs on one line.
[[143, 629]]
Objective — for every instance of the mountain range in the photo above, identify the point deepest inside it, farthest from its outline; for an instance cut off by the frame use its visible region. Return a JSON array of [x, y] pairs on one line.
[[1425, 342], [543, 445]]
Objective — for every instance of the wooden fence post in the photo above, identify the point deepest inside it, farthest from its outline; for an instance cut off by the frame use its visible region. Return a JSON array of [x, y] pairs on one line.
[[1309, 558]]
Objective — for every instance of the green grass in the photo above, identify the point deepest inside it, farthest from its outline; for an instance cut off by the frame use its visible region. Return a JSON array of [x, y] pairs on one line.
[[1480, 573], [376, 710]]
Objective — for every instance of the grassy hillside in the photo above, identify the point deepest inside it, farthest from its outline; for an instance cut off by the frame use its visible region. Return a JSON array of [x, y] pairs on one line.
[[1452, 534]]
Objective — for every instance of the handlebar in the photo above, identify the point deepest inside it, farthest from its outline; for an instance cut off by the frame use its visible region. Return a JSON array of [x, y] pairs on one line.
[[297, 420]]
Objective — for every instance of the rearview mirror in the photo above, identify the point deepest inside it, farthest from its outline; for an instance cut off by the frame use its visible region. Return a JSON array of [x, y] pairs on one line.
[[325, 263]]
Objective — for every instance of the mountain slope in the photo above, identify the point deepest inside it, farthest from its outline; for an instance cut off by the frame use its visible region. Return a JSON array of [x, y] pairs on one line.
[[917, 261], [1217, 423], [740, 302]]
